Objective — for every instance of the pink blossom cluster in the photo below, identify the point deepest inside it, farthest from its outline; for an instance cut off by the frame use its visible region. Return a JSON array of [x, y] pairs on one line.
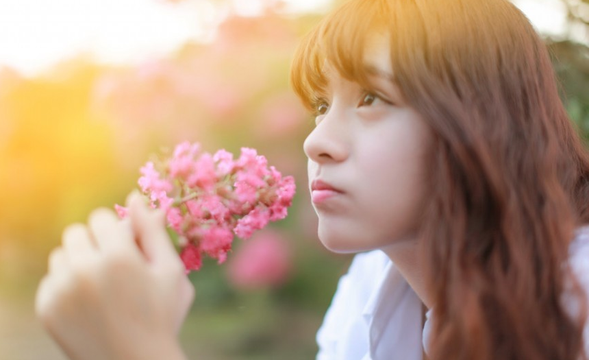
[[208, 198]]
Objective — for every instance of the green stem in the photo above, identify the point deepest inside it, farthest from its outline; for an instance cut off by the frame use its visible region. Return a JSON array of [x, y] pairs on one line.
[[194, 195]]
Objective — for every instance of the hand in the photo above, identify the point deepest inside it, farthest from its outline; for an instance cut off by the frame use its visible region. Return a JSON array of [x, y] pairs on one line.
[[116, 289]]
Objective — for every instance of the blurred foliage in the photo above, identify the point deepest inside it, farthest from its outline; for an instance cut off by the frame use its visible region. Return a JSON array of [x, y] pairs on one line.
[[571, 63], [73, 139]]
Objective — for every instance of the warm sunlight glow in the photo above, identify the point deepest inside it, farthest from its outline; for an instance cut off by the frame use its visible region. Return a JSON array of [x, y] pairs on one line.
[[548, 16], [36, 34]]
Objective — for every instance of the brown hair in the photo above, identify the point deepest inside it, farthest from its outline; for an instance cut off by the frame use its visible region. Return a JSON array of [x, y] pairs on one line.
[[509, 181]]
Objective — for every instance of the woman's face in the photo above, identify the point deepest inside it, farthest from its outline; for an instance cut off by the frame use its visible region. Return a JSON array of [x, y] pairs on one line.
[[372, 148]]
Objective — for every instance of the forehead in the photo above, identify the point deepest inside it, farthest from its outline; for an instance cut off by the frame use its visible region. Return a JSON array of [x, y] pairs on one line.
[[377, 54], [375, 61], [344, 45]]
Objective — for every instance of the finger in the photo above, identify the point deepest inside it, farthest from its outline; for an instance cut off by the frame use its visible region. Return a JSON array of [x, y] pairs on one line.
[[110, 233], [78, 245], [58, 261], [48, 299], [185, 299], [150, 231], [42, 298]]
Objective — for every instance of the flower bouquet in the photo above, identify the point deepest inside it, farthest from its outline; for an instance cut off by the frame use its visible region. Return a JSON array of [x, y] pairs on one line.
[[208, 198]]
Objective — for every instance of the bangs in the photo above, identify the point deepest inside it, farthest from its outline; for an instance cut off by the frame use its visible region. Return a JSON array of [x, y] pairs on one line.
[[338, 41]]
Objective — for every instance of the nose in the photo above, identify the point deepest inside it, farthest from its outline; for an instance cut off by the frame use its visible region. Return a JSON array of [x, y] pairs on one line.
[[328, 140]]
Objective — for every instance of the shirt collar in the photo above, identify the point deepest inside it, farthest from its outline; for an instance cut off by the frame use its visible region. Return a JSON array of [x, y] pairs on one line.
[[393, 316]]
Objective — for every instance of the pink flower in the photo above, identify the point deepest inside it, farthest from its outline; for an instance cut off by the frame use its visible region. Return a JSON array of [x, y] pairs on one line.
[[182, 163], [150, 181], [224, 160], [194, 208], [253, 164], [175, 219], [209, 198], [262, 261], [163, 201], [286, 191], [215, 207], [253, 177], [185, 148], [253, 221], [204, 174], [247, 158], [245, 192], [191, 258], [278, 212], [216, 242], [123, 212], [181, 166]]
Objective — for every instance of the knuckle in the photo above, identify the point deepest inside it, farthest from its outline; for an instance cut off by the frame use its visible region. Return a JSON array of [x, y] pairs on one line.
[[68, 241], [51, 295], [101, 214], [117, 262], [73, 242], [124, 227], [42, 308], [56, 254], [73, 230], [56, 259], [82, 274]]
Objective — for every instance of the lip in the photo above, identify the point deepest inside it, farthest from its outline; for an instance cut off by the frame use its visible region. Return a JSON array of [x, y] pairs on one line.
[[322, 185], [322, 191]]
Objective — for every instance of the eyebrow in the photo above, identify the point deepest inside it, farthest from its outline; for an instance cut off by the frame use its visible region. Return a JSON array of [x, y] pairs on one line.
[[395, 90]]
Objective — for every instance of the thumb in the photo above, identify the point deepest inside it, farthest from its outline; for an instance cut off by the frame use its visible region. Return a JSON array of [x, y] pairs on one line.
[[149, 228]]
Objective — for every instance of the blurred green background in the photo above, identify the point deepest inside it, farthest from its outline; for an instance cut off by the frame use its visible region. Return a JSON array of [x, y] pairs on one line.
[[73, 137]]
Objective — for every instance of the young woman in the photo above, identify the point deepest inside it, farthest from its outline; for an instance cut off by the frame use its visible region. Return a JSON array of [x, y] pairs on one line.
[[442, 153]]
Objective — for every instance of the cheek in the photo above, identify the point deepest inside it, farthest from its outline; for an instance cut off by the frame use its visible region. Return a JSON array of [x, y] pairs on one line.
[[396, 186]]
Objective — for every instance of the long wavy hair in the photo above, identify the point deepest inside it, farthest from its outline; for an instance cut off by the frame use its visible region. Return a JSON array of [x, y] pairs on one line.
[[509, 173]]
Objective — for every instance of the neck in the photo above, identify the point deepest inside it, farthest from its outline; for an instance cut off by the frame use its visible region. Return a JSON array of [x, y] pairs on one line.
[[404, 255]]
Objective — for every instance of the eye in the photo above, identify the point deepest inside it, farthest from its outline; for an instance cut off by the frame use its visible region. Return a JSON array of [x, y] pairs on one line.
[[368, 99], [321, 108]]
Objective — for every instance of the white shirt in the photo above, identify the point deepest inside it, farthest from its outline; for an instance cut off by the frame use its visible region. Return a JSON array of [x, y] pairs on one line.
[[376, 315]]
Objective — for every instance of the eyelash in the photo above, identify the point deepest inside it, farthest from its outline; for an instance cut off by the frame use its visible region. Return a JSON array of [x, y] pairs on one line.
[[366, 95], [321, 106]]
